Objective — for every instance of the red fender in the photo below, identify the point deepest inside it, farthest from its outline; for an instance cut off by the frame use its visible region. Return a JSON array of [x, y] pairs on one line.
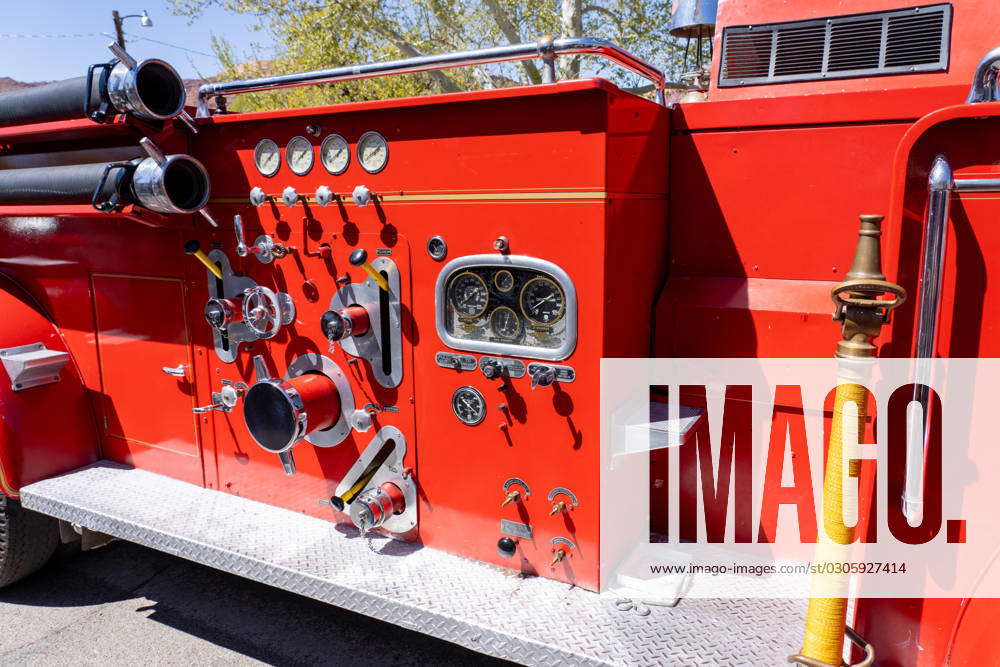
[[45, 430]]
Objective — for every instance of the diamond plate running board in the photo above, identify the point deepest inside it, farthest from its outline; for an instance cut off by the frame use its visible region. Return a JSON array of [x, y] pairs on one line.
[[495, 611]]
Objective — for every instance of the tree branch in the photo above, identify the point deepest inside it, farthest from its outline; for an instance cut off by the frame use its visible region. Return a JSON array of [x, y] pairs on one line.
[[512, 35], [444, 82]]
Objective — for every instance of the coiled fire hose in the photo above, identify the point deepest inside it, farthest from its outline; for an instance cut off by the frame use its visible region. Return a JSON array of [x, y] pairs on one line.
[[862, 313]]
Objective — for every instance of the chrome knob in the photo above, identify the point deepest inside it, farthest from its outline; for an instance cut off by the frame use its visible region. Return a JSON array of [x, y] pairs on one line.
[[258, 196], [241, 244], [542, 375], [362, 196], [324, 195], [290, 196]]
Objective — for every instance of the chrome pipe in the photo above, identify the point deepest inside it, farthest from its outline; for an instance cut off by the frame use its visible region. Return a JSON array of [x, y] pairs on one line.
[[544, 49], [940, 183], [977, 185], [984, 81]]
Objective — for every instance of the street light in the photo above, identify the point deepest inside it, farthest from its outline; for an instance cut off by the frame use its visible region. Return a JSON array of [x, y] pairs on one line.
[[144, 21]]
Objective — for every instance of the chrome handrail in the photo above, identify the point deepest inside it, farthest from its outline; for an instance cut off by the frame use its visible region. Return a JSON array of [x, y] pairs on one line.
[[984, 81], [547, 49]]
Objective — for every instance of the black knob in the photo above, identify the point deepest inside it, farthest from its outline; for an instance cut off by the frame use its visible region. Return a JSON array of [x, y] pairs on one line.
[[191, 247], [506, 547], [332, 325], [358, 257]]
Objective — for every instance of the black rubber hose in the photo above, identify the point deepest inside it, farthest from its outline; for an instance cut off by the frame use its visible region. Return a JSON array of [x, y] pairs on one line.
[[69, 184], [61, 100]]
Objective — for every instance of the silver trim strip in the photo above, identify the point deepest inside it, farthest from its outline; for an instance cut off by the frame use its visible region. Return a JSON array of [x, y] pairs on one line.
[[490, 347]]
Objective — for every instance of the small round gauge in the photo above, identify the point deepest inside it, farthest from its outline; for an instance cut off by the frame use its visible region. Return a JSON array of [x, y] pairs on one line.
[[542, 301], [373, 152], [468, 405], [299, 155], [267, 157], [468, 294], [335, 154], [505, 323], [504, 280]]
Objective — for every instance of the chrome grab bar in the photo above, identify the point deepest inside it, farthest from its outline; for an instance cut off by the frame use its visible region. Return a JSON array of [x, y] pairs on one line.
[[547, 49], [984, 81], [940, 185]]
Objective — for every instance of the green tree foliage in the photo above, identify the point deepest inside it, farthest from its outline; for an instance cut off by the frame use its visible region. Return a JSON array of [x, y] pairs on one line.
[[315, 34]]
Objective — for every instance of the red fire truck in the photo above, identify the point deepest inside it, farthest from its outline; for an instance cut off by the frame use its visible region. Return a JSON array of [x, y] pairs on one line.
[[354, 351]]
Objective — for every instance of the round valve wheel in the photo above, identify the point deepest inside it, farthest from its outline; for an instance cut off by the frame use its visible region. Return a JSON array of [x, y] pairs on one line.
[[266, 311], [280, 413]]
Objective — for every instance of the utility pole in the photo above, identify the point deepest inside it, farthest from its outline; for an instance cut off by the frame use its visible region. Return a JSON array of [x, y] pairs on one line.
[[119, 34]]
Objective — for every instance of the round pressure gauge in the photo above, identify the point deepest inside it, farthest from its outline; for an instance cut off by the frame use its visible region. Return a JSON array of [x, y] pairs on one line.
[[468, 294], [542, 301], [505, 323], [299, 155], [267, 157], [504, 280], [373, 152], [335, 154], [468, 405]]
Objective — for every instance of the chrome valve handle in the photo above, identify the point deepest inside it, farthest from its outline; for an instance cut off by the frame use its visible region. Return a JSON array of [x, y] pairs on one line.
[[266, 311], [241, 244]]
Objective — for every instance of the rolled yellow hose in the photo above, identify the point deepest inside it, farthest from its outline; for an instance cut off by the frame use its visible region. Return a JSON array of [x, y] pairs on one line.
[[826, 617]]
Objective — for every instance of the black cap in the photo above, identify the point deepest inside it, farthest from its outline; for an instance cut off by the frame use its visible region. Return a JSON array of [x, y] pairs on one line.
[[191, 247], [506, 547], [358, 257]]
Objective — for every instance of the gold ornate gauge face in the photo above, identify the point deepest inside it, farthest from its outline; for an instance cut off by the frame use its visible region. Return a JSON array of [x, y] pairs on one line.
[[373, 152], [267, 157], [299, 155], [542, 301], [503, 280], [505, 323], [335, 154], [468, 295]]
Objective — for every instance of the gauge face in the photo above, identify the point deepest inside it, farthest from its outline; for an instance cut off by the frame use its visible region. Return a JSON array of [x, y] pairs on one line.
[[335, 154], [373, 152], [504, 280], [468, 294], [542, 301], [266, 157], [299, 155], [505, 323], [468, 405]]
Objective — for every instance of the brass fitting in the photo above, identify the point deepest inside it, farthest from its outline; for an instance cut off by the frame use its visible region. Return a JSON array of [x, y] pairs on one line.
[[511, 497], [857, 301], [557, 556], [558, 508]]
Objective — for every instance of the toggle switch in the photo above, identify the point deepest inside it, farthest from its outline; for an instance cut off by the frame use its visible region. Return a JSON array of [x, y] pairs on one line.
[[512, 497], [192, 247], [360, 258]]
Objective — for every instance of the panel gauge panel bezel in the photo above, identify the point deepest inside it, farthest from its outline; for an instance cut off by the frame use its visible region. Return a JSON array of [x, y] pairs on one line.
[[506, 263]]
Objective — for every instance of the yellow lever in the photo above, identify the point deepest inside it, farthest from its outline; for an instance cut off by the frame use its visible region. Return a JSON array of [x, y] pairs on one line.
[[360, 258], [511, 497], [192, 247]]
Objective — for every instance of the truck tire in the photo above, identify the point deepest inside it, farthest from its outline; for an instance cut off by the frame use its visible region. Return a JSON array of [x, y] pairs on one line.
[[27, 540]]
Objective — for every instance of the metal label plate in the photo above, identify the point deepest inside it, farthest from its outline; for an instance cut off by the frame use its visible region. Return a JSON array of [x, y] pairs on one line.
[[515, 529], [514, 367], [465, 362]]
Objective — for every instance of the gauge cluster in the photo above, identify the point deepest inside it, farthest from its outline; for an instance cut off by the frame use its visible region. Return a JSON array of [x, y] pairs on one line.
[[372, 154], [513, 305]]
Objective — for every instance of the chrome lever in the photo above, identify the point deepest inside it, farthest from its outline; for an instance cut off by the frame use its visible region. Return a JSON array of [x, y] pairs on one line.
[[207, 408], [241, 244], [178, 372]]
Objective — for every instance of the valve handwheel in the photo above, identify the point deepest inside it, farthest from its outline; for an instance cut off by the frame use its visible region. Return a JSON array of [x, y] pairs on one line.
[[266, 311]]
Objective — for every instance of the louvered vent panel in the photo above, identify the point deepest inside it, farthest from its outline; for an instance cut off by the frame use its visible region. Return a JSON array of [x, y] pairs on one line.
[[894, 42]]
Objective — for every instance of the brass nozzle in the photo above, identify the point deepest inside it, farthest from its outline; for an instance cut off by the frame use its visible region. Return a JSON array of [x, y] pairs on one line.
[[511, 497], [558, 507], [867, 263], [557, 556]]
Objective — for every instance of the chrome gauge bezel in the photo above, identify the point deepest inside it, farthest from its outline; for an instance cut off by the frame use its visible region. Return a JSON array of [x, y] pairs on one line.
[[261, 145], [497, 261], [288, 159], [360, 146], [477, 396], [329, 139]]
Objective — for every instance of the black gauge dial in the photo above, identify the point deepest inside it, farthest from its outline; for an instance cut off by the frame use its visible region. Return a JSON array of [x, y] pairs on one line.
[[504, 280], [468, 405], [542, 301], [468, 294], [505, 323]]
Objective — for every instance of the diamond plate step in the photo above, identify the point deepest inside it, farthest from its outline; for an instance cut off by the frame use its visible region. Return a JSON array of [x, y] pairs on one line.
[[495, 611]]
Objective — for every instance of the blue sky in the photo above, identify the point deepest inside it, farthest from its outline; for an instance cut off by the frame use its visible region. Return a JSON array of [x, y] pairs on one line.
[[52, 58]]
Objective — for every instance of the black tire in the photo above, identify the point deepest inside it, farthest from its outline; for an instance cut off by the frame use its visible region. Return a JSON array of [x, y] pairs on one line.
[[27, 540]]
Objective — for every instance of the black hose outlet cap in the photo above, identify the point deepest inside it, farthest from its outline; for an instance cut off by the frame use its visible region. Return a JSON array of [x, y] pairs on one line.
[[506, 547]]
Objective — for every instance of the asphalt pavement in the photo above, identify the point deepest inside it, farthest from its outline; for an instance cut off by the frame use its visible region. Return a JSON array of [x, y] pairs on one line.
[[124, 604]]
